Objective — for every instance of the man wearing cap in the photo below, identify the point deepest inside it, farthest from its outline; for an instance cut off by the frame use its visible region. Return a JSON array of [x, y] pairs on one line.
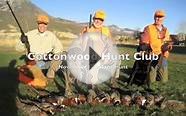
[[43, 42], [97, 26], [156, 35]]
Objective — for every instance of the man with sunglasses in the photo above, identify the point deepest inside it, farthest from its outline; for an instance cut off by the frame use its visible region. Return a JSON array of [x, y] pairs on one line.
[[156, 35], [97, 25]]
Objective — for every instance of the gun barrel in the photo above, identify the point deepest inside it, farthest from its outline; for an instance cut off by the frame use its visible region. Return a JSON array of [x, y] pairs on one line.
[[15, 18], [90, 21]]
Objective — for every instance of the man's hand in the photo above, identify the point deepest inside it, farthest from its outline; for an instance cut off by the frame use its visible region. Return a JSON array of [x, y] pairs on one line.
[[24, 38], [167, 47]]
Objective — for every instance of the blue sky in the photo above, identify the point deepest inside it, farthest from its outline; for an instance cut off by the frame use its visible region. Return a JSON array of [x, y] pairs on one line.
[[124, 13]]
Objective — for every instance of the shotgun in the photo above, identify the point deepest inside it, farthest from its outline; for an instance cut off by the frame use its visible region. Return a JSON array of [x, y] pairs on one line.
[[24, 38], [90, 21]]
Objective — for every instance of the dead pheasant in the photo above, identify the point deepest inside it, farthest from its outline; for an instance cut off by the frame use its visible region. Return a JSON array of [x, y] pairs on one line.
[[173, 105], [81, 99], [115, 98], [149, 101], [126, 100], [139, 100], [67, 101]]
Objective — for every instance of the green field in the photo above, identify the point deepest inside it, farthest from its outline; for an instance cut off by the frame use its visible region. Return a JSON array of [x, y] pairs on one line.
[[174, 89]]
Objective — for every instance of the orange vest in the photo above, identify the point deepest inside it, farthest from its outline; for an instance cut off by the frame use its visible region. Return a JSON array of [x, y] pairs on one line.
[[155, 38]]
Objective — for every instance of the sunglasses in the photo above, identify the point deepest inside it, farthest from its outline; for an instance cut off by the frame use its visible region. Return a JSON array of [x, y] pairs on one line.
[[42, 23], [159, 16], [98, 19]]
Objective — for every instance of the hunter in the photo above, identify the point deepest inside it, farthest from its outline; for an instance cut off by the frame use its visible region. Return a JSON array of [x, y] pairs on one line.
[[42, 42], [157, 35]]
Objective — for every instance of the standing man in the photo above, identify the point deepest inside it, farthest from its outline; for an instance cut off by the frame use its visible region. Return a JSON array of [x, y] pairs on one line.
[[156, 35]]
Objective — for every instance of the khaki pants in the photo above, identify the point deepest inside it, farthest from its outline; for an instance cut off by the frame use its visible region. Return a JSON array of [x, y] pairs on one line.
[[116, 75], [159, 72], [53, 68]]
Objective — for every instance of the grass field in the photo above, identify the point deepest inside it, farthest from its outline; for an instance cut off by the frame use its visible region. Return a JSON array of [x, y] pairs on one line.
[[174, 89]]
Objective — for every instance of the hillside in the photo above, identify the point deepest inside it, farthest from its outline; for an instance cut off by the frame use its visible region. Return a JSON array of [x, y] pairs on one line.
[[27, 12]]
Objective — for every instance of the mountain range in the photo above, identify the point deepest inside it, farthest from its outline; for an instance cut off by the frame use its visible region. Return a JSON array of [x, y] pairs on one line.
[[27, 12]]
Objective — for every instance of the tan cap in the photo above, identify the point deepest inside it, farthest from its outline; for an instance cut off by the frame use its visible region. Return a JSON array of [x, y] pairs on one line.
[[43, 19]]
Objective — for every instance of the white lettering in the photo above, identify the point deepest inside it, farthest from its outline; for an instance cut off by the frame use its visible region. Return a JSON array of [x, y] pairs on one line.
[[56, 57], [104, 56], [31, 56], [143, 56], [86, 57], [79, 57]]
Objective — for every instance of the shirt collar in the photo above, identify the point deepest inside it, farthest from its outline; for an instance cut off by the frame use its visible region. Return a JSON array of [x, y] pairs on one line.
[[42, 34]]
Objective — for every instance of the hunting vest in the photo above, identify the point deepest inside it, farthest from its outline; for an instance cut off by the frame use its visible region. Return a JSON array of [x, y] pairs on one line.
[[155, 38]]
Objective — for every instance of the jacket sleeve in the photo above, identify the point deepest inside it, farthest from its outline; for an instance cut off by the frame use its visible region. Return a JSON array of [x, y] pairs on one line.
[[167, 36], [110, 36], [169, 47], [20, 47], [145, 37], [84, 30], [57, 46]]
